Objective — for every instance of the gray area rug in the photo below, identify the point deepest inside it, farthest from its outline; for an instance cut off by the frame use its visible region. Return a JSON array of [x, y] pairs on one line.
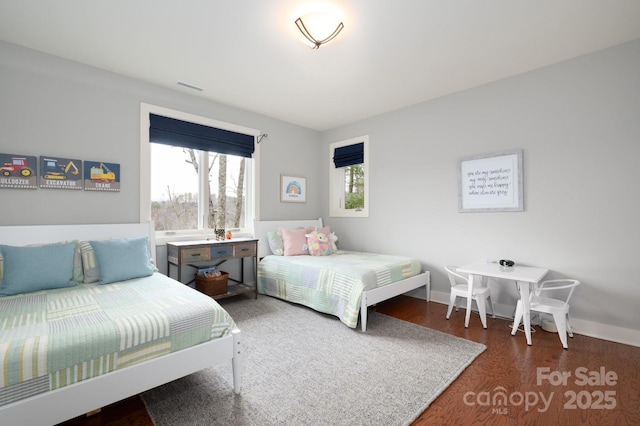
[[306, 368]]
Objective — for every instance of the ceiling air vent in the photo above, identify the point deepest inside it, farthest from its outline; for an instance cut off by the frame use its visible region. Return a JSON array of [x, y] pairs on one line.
[[189, 86]]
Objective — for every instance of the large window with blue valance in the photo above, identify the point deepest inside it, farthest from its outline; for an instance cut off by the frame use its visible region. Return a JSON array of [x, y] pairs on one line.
[[174, 132], [199, 173]]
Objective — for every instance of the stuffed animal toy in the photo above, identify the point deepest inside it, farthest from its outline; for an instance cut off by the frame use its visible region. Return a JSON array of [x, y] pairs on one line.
[[318, 243], [333, 238]]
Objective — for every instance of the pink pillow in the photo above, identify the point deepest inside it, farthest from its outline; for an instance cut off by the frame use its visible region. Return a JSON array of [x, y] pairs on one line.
[[326, 230], [294, 241]]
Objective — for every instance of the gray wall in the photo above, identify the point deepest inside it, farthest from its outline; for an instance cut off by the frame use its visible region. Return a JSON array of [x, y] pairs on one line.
[[578, 123], [50, 106]]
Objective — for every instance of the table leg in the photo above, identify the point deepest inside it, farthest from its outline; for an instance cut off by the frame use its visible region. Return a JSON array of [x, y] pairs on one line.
[[526, 309], [467, 316], [255, 273]]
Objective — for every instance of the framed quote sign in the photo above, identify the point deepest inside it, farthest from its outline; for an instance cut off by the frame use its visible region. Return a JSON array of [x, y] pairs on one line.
[[491, 183]]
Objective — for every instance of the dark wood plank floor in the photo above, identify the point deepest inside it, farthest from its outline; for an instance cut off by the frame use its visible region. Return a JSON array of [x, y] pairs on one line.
[[508, 367]]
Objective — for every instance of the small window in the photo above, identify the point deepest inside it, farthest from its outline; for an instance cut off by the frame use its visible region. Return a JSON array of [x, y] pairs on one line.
[[349, 178]]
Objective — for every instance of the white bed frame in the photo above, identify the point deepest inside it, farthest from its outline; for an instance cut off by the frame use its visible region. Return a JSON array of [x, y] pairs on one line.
[[370, 297], [85, 396]]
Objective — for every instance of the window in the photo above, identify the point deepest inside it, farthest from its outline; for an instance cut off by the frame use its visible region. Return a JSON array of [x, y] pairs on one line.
[[177, 192], [349, 178], [177, 200]]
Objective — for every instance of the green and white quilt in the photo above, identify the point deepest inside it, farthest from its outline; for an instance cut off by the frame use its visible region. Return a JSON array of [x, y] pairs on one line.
[[54, 338], [332, 284]]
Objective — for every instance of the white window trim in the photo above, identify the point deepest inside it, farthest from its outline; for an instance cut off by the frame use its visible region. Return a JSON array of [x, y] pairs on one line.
[[336, 181], [253, 190]]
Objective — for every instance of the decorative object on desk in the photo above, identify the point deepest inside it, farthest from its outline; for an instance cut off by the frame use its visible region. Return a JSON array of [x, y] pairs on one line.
[[228, 234], [491, 183], [506, 262], [219, 233], [293, 189], [212, 283]]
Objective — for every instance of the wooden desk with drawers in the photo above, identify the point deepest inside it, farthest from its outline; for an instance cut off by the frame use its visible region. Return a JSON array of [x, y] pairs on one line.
[[204, 253]]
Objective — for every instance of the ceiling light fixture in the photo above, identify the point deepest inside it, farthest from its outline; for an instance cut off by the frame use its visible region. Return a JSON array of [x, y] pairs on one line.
[[319, 28]]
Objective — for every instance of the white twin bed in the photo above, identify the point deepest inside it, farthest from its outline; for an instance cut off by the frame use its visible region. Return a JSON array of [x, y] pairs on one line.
[[343, 284], [50, 388]]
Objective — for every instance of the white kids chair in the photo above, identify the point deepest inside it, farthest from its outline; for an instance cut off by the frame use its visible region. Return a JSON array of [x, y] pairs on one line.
[[559, 308], [460, 289]]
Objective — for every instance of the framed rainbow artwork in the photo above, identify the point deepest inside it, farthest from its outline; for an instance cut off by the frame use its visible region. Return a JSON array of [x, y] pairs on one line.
[[293, 189]]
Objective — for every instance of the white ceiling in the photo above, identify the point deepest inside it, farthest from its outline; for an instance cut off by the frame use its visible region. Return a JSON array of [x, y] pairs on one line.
[[249, 54]]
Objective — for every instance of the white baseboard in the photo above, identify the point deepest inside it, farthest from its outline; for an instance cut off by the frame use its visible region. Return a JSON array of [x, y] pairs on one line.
[[611, 333], [606, 332]]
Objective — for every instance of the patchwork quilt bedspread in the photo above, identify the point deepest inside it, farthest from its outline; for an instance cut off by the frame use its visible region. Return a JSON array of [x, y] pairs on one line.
[[54, 338], [332, 284]]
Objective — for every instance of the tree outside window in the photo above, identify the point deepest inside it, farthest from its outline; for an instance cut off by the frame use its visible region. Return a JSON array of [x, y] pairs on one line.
[[178, 180], [354, 187]]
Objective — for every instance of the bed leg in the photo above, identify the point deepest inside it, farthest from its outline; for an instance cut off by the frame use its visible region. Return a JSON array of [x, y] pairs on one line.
[[428, 288], [363, 314], [236, 361]]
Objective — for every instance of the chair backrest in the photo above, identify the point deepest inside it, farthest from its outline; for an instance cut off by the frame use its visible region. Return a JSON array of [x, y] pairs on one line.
[[453, 274], [559, 284]]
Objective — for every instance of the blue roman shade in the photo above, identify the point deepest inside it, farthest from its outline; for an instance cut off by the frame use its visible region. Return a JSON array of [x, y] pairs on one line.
[[171, 131], [349, 155]]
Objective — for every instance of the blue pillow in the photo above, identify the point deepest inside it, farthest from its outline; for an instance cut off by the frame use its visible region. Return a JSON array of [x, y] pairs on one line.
[[29, 269], [122, 259]]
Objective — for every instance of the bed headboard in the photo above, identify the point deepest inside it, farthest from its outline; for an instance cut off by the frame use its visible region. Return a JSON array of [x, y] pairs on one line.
[[261, 227], [44, 234]]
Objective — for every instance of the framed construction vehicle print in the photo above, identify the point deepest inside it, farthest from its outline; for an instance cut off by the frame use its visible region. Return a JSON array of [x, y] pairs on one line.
[[101, 176]]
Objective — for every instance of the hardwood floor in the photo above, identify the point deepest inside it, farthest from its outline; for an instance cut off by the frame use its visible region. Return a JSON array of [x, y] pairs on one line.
[[512, 365], [510, 383]]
